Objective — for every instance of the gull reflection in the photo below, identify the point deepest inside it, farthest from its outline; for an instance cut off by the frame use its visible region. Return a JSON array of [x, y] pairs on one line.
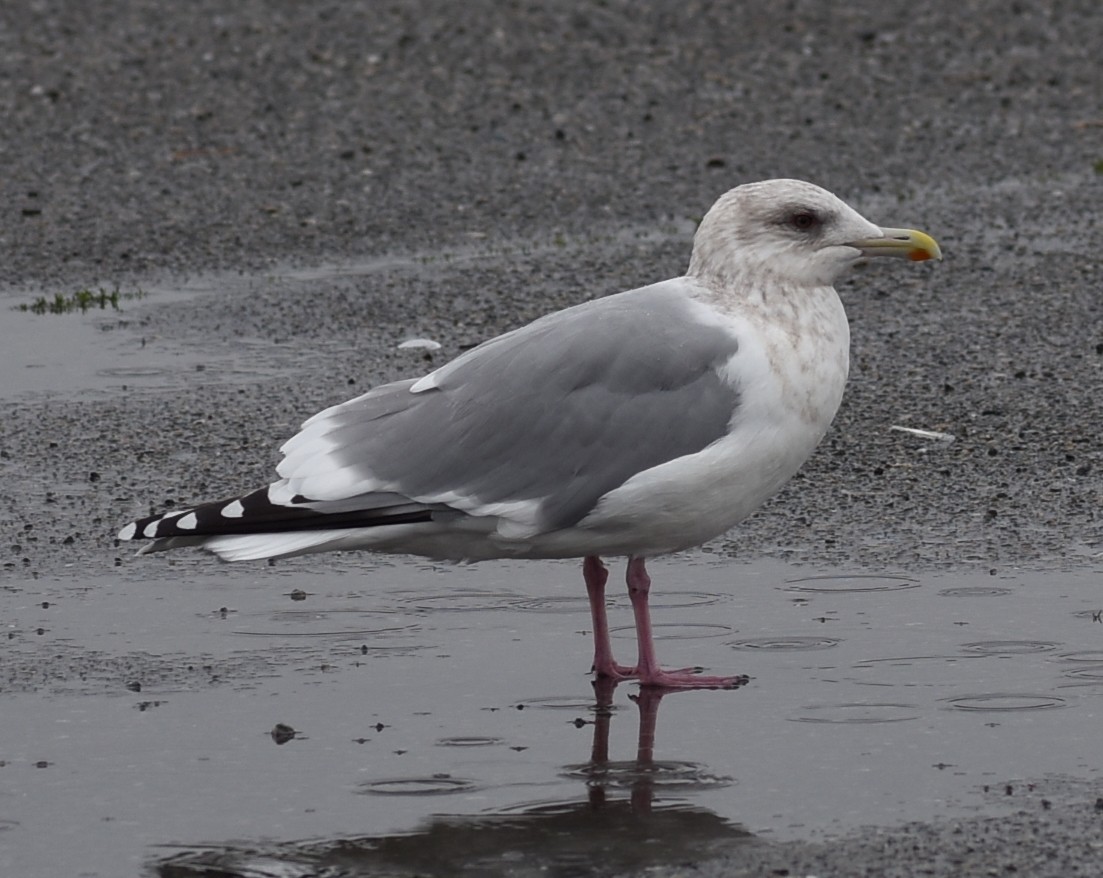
[[633, 815]]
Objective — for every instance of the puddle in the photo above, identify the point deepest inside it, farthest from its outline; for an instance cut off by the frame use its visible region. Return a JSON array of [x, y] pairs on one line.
[[146, 345], [445, 723], [67, 354], [539, 838]]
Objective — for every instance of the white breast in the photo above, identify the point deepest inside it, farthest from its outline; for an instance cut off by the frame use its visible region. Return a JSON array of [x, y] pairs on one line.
[[790, 372]]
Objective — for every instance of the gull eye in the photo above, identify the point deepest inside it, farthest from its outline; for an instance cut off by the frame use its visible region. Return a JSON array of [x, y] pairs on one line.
[[804, 220]]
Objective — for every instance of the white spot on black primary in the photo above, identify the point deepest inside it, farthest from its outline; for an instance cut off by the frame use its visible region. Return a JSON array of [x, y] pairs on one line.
[[258, 516], [233, 510]]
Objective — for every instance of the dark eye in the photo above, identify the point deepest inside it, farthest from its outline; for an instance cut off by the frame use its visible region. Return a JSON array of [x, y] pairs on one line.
[[804, 220]]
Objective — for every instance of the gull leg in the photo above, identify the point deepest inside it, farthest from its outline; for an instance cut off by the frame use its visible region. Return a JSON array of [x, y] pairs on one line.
[[595, 574], [649, 672]]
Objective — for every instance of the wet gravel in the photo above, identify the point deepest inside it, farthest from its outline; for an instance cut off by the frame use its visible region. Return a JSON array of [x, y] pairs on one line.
[[1055, 831], [482, 164]]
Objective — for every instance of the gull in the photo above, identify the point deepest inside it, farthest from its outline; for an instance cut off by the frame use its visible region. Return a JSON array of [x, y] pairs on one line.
[[634, 425]]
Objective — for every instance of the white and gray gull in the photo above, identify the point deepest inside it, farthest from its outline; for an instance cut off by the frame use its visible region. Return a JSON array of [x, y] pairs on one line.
[[636, 424]]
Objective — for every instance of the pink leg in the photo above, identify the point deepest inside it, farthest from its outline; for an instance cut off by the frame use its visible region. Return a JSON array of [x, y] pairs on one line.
[[595, 574], [649, 672]]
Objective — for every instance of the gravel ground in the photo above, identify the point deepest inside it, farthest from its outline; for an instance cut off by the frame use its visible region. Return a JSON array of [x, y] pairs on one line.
[[1054, 832], [488, 162]]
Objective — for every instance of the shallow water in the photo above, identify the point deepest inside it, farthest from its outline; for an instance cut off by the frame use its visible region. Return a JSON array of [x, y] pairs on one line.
[[107, 351], [86, 351], [444, 721]]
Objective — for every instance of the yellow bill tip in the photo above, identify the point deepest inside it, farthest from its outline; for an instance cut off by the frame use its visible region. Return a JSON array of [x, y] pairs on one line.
[[909, 244]]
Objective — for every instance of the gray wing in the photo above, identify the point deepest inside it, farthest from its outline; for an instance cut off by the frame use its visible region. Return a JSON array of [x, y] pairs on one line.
[[542, 421]]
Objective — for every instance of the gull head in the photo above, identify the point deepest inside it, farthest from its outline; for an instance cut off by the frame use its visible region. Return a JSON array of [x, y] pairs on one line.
[[793, 232]]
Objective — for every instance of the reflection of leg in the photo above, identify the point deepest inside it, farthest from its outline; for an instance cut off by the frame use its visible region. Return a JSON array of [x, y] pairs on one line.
[[604, 687], [643, 790], [603, 715], [604, 690], [647, 700], [595, 574], [649, 672]]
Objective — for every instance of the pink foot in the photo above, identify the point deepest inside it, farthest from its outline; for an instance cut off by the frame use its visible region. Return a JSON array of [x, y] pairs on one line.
[[647, 669], [660, 679], [616, 672], [631, 672], [649, 673], [613, 671]]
